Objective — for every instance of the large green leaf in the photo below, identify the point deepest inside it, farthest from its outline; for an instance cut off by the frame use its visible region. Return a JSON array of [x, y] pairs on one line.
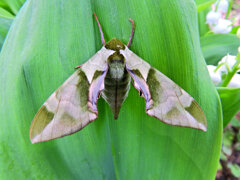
[[230, 98], [203, 7], [12, 6], [216, 46], [4, 26], [200, 2], [203, 27], [204, 4], [48, 38], [4, 13]]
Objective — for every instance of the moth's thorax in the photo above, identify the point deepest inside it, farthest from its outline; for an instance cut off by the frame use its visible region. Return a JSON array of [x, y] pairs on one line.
[[116, 64]]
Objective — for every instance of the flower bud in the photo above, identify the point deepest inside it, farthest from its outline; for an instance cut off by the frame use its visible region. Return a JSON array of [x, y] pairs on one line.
[[213, 17], [229, 61], [223, 26], [235, 81], [215, 76]]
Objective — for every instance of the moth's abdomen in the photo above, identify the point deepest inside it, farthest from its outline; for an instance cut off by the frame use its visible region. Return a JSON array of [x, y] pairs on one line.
[[116, 87]]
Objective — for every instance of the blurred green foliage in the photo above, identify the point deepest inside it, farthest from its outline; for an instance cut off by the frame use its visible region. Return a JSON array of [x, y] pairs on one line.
[[11, 6], [216, 46], [4, 27], [230, 98]]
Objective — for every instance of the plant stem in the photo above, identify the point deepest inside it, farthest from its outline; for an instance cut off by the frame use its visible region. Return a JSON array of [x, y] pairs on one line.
[[230, 74], [217, 5], [229, 8], [219, 65]]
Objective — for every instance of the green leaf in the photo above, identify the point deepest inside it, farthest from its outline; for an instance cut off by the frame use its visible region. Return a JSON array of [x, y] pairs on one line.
[[5, 14], [228, 138], [216, 46], [238, 135], [230, 98], [230, 3], [226, 150], [48, 38], [199, 2], [223, 156], [12, 6], [203, 27], [235, 29], [237, 145], [203, 7], [204, 4], [235, 122], [235, 169], [219, 166], [4, 26]]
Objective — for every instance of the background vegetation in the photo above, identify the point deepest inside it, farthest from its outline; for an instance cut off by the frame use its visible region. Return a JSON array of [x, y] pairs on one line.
[[46, 39]]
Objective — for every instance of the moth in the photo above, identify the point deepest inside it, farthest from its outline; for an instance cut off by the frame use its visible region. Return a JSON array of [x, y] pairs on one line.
[[108, 74]]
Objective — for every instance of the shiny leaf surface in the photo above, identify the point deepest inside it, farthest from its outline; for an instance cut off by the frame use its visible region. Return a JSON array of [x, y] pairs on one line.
[[230, 98], [4, 27], [216, 46], [48, 38]]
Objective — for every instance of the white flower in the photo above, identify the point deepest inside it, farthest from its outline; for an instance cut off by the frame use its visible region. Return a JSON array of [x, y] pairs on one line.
[[235, 81], [222, 6], [223, 26], [228, 61], [213, 17], [215, 76]]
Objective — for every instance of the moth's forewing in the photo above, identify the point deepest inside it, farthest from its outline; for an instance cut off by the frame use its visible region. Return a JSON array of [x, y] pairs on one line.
[[73, 105], [65, 111], [165, 100]]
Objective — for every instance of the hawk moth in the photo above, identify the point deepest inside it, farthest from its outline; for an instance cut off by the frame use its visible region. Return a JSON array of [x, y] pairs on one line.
[[108, 74]]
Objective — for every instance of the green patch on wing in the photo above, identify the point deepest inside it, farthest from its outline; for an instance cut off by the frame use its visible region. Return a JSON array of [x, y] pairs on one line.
[[97, 74], [173, 113], [195, 110], [43, 113], [83, 86], [154, 86], [137, 73]]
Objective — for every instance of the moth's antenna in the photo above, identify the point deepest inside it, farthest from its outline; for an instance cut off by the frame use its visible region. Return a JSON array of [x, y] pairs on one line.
[[100, 29], [130, 40]]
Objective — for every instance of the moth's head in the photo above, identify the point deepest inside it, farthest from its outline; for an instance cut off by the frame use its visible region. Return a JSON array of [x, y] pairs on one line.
[[116, 57], [115, 45]]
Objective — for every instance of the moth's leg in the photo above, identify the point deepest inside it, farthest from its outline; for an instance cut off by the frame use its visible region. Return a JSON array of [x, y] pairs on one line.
[[100, 29], [130, 40], [78, 66]]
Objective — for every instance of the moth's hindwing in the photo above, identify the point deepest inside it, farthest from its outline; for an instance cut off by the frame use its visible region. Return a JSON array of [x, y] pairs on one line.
[[73, 105], [165, 100]]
